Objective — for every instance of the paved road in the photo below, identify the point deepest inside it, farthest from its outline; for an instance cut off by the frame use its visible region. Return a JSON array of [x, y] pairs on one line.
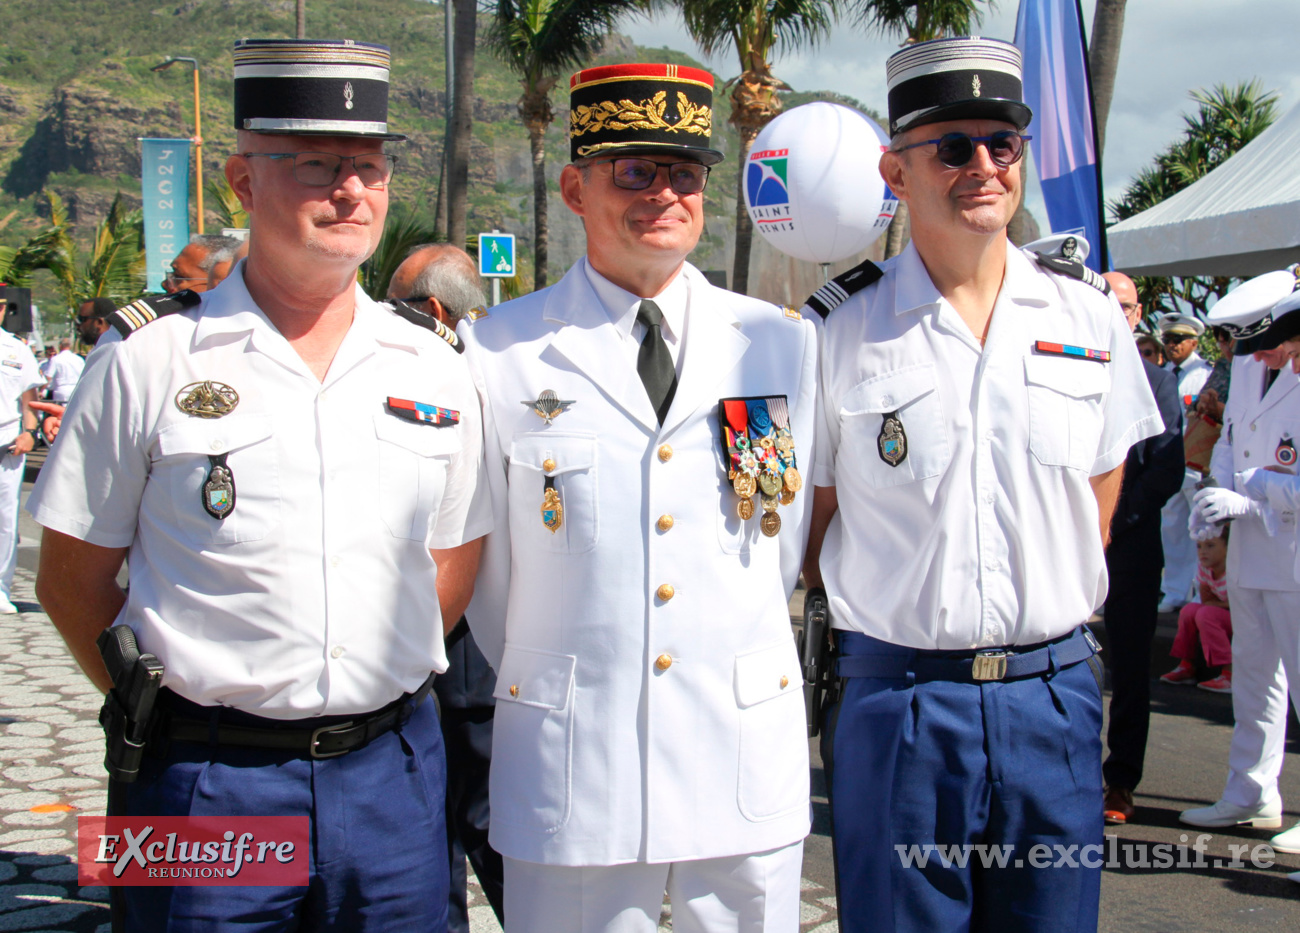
[[50, 772]]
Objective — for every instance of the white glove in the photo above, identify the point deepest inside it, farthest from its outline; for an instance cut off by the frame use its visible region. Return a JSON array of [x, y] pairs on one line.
[[1257, 491], [1200, 529], [1217, 504]]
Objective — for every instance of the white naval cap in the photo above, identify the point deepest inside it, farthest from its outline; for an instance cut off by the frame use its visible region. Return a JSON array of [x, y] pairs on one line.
[[1285, 315], [1181, 324], [1061, 246], [958, 77], [1249, 309]]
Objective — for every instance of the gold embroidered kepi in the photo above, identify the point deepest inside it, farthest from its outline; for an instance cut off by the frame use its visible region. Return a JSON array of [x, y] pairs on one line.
[[642, 109], [960, 77], [312, 87]]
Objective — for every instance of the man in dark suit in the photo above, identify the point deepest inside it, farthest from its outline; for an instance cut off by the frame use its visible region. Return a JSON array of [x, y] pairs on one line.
[[1134, 560], [442, 281]]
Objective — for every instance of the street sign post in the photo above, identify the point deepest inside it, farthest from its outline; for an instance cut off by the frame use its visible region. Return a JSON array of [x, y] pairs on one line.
[[496, 259]]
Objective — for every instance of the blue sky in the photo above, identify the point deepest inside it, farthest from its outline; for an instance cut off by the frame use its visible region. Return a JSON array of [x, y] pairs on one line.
[[1170, 48]]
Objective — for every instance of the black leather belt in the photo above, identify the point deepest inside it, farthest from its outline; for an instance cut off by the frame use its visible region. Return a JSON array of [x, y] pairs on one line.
[[324, 741], [1009, 663]]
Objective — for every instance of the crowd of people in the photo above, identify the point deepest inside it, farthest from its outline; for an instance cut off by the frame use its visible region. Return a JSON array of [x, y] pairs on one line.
[[578, 519]]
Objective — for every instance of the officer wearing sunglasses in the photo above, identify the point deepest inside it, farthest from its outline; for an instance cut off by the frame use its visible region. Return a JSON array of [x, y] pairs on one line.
[[978, 403]]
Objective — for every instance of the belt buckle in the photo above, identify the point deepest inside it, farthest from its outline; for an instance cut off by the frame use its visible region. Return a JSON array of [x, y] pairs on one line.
[[327, 730], [989, 665]]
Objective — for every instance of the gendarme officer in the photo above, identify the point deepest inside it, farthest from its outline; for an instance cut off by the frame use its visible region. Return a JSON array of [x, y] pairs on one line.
[[644, 436], [291, 468], [978, 404]]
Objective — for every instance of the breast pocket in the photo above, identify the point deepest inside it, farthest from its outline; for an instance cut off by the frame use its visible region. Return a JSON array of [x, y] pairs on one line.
[[569, 461], [532, 751], [413, 462], [1065, 409], [911, 396], [184, 462]]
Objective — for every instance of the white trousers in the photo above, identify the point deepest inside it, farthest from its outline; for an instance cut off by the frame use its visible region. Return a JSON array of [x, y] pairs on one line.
[[1179, 548], [756, 893], [1265, 654], [11, 489]]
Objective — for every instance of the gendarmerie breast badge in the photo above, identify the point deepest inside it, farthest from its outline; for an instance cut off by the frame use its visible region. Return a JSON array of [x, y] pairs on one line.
[[892, 440], [207, 399]]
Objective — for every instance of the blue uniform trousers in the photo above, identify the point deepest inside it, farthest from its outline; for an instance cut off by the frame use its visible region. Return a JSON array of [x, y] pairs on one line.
[[939, 763], [378, 858]]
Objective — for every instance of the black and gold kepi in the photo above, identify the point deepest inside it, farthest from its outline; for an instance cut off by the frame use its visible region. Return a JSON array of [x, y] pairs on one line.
[[642, 109], [958, 78], [312, 87]]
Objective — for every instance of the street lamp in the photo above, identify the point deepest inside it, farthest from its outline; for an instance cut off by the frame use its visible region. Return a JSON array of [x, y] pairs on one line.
[[198, 128]]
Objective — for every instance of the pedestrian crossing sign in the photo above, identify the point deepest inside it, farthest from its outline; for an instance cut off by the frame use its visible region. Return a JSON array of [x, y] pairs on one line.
[[496, 255]]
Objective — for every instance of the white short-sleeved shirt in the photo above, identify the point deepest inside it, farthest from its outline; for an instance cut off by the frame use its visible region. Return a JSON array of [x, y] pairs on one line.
[[65, 369], [986, 533], [19, 372], [1192, 374], [316, 595]]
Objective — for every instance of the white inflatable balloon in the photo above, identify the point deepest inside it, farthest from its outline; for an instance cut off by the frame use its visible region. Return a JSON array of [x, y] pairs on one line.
[[812, 183]]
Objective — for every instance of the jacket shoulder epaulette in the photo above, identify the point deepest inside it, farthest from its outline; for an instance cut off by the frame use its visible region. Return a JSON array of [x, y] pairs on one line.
[[835, 292], [427, 321], [127, 319], [1074, 269]]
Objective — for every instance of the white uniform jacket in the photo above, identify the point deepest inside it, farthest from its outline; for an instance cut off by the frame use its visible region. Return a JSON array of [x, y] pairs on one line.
[[1255, 433], [634, 722]]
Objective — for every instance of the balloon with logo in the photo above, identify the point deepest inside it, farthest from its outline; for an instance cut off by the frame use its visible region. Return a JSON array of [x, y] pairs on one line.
[[813, 186]]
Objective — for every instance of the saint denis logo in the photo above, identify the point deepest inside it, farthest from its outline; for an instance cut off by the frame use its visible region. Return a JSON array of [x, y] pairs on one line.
[[198, 850], [768, 188]]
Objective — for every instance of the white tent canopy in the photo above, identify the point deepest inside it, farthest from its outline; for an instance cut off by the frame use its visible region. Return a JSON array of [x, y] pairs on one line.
[[1241, 220]]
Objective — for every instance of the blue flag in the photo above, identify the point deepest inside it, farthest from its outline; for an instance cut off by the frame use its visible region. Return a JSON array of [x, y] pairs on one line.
[[165, 189], [1049, 34]]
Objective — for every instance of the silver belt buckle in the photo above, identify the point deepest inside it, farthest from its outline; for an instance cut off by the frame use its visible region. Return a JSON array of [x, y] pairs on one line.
[[989, 665], [317, 734]]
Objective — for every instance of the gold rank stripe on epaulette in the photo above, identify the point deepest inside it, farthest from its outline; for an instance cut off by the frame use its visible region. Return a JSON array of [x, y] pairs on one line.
[[477, 314], [428, 322], [837, 291], [130, 318], [1075, 270], [791, 312]]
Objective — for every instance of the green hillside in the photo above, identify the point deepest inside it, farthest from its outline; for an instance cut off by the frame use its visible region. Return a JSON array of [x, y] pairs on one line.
[[76, 92]]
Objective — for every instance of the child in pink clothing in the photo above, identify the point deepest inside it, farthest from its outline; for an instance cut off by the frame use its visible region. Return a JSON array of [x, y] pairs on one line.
[[1210, 619]]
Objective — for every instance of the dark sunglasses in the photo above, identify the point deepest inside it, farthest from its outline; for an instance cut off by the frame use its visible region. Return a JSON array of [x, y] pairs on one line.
[[956, 149], [321, 169], [639, 174], [1173, 340], [1148, 352]]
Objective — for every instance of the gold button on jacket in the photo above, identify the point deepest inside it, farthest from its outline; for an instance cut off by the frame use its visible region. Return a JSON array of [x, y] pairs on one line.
[[665, 592], [666, 452], [665, 522], [663, 662]]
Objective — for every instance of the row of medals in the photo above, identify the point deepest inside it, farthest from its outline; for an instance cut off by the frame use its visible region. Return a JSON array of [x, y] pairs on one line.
[[776, 489]]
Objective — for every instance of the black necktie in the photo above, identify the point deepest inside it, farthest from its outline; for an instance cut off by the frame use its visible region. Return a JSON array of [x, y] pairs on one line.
[[654, 364]]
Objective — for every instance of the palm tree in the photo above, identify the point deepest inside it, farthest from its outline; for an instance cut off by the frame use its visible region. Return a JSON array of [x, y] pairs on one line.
[[917, 21], [461, 110], [115, 267], [539, 40], [404, 229], [225, 203], [1103, 60], [754, 28]]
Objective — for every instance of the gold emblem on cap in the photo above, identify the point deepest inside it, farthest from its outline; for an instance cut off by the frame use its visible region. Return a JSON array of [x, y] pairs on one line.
[[207, 399], [975, 85], [645, 115]]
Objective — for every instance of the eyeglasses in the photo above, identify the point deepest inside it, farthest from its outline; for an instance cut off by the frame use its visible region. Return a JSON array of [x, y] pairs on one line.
[[174, 276], [639, 174], [956, 149], [321, 169], [1129, 306], [1173, 340]]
